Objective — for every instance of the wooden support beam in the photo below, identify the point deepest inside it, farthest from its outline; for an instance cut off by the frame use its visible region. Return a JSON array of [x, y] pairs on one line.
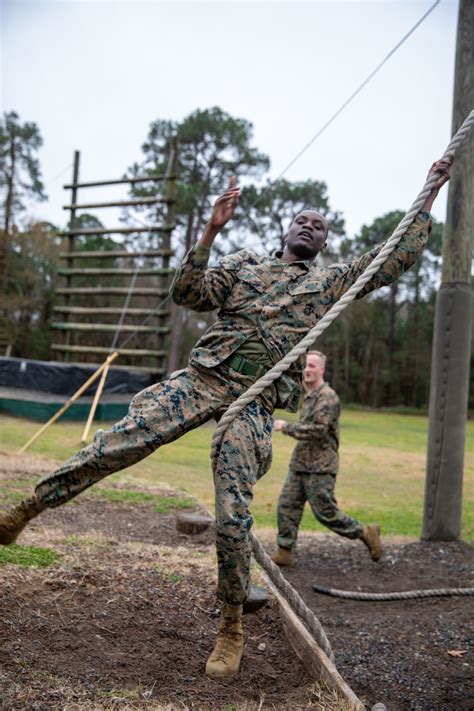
[[100, 350], [117, 253], [314, 659], [112, 327], [111, 290], [119, 203], [128, 271], [112, 310], [105, 365], [116, 230], [95, 402], [119, 181]]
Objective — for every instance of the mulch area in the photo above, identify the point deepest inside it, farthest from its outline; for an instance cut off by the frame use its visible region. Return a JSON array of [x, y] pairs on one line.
[[395, 652], [128, 619]]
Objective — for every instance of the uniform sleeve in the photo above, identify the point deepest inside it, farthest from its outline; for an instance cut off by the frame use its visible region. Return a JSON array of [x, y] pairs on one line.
[[316, 425], [405, 254], [201, 288]]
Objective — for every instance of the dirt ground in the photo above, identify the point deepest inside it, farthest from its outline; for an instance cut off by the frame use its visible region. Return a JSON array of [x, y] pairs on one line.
[[395, 652], [127, 619]]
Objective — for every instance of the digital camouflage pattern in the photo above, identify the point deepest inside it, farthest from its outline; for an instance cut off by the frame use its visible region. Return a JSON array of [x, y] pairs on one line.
[[318, 490], [317, 432], [161, 414], [313, 469], [260, 299], [263, 298]]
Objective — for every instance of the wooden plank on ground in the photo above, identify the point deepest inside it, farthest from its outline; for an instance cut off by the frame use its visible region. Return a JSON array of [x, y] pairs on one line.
[[312, 656]]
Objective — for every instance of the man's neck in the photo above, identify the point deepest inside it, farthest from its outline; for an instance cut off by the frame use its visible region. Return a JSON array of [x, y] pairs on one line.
[[288, 256], [314, 386]]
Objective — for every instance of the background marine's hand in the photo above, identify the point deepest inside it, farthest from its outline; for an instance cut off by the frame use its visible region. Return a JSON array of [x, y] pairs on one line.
[[278, 424]]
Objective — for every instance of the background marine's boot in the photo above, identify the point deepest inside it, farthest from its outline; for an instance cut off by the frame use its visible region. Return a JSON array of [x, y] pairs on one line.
[[13, 521], [371, 537], [283, 557], [225, 659]]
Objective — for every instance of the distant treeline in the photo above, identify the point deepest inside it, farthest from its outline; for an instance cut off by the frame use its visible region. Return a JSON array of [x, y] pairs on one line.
[[379, 349]]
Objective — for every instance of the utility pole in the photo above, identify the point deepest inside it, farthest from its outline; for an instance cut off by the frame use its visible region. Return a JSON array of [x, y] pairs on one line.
[[452, 332]]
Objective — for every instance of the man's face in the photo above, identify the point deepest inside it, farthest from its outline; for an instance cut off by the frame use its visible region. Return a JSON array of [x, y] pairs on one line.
[[313, 369], [307, 234]]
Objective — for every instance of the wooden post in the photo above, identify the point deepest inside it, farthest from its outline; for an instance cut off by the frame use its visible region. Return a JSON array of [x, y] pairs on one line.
[[71, 237], [452, 334], [165, 243], [71, 400], [95, 402]]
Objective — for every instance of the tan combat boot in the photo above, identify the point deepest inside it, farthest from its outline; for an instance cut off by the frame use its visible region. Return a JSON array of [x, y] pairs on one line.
[[12, 522], [284, 557], [225, 659], [371, 537]]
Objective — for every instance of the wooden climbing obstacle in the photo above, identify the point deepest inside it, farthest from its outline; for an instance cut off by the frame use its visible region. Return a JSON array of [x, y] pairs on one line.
[[102, 288]]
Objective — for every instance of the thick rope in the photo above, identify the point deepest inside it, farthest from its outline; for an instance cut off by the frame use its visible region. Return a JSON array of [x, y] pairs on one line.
[[296, 602], [301, 347], [407, 595], [261, 556]]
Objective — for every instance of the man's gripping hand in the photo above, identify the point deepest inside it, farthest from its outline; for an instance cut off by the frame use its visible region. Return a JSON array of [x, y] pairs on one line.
[[442, 167]]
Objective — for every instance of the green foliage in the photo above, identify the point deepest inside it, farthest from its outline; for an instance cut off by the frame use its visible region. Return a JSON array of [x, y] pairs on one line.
[[213, 146], [381, 477], [168, 574], [267, 212], [162, 504], [167, 504], [27, 556], [20, 175], [379, 349], [32, 264]]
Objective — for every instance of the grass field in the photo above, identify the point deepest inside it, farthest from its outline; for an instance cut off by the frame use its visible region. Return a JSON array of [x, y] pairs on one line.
[[381, 475]]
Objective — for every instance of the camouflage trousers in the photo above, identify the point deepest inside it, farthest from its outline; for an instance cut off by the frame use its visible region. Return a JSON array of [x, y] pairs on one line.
[[318, 489], [161, 414]]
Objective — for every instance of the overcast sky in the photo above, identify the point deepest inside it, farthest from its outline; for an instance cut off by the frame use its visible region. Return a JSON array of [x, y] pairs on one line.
[[93, 75]]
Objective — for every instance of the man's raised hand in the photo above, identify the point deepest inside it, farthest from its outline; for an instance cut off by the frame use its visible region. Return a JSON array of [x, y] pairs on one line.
[[225, 205], [223, 210]]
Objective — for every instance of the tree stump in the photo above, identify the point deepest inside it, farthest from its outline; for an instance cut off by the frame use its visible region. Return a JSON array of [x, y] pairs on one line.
[[192, 524]]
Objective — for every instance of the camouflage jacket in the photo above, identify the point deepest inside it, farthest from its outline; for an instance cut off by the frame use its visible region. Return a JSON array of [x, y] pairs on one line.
[[259, 298], [318, 432]]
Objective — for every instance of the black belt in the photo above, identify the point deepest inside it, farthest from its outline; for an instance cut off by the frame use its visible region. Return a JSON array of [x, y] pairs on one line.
[[244, 366]]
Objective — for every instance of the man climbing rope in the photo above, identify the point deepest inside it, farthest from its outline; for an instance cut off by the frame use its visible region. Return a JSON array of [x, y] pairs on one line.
[[266, 305], [313, 468]]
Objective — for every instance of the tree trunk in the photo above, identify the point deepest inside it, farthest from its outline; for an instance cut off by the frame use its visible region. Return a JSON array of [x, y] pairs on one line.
[[392, 316], [5, 238]]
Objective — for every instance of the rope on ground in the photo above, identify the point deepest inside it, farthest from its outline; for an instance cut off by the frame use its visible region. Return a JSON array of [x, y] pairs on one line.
[[406, 595], [261, 556]]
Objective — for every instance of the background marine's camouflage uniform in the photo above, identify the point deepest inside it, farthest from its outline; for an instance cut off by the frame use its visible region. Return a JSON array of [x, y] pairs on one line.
[[260, 299], [313, 469]]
